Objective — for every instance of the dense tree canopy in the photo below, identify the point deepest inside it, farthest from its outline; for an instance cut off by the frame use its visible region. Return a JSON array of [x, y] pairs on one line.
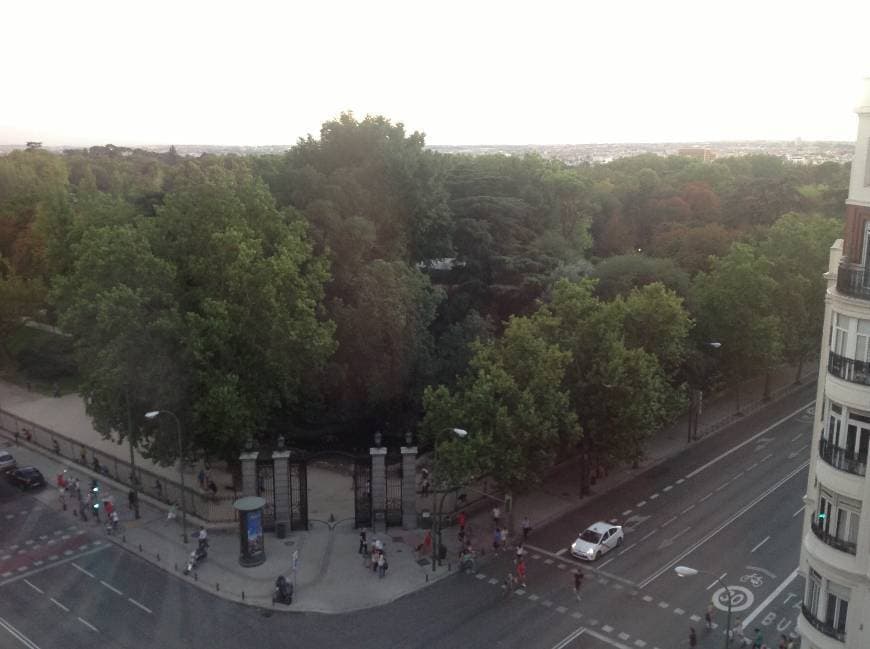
[[324, 289]]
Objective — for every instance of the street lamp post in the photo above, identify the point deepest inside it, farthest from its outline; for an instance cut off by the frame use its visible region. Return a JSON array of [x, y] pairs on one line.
[[696, 399], [153, 415], [436, 545], [685, 571]]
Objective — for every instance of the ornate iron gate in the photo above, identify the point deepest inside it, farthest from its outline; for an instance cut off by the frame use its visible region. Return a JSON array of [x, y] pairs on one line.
[[266, 490], [362, 491], [298, 485], [393, 470]]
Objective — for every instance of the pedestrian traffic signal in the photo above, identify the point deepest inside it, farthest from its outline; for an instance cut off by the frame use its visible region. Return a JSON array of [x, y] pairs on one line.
[[822, 516]]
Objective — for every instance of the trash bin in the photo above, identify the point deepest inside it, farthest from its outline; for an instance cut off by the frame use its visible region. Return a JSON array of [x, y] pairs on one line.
[[425, 520], [281, 530]]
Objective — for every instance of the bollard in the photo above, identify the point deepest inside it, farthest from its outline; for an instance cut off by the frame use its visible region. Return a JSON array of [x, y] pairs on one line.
[[140, 547], [243, 596], [158, 556], [217, 586]]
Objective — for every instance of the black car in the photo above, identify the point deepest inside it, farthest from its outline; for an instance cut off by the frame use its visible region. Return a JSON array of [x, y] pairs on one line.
[[27, 477]]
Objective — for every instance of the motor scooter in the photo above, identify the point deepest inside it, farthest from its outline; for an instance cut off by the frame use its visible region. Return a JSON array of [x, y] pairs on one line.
[[196, 557]]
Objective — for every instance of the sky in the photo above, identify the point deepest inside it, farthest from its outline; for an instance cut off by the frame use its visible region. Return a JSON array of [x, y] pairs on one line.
[[472, 72]]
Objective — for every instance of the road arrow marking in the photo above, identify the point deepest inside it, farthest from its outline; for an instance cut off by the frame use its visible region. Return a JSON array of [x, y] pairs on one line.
[[668, 542]]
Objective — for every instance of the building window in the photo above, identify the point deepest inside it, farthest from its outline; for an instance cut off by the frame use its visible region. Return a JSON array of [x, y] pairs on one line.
[[835, 612], [814, 589]]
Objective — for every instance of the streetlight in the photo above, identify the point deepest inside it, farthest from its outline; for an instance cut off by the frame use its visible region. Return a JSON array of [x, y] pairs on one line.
[[436, 546], [696, 399], [685, 571], [153, 415]]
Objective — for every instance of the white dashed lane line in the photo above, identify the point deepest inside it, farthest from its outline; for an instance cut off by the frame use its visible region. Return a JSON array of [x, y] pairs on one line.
[[89, 625]]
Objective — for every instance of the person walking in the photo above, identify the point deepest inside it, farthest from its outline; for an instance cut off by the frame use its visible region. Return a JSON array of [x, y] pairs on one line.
[[759, 639], [382, 565], [521, 551], [496, 540], [521, 572], [708, 617], [693, 639], [363, 543], [171, 514], [510, 583], [527, 528], [578, 581], [425, 546], [496, 517]]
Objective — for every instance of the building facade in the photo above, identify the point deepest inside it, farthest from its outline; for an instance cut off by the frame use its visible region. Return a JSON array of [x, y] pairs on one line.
[[835, 547]]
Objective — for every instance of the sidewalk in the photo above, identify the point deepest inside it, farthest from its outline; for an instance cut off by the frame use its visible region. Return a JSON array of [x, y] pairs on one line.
[[331, 576]]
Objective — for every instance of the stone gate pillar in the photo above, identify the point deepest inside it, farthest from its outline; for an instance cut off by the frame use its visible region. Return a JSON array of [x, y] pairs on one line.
[[249, 472], [409, 486], [281, 468], [379, 484]]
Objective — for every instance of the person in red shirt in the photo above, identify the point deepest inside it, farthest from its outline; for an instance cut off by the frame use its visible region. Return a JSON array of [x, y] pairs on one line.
[[521, 572]]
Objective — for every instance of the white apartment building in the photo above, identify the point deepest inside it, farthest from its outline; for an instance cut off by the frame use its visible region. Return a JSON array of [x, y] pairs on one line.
[[835, 548]]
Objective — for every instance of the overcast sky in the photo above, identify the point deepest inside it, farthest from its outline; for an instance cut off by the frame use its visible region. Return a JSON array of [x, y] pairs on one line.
[[469, 72]]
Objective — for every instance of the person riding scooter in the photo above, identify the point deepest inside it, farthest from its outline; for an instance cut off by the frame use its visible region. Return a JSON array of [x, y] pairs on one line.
[[283, 591], [197, 556]]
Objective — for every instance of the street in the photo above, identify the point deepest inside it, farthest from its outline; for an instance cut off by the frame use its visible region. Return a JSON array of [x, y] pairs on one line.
[[729, 506]]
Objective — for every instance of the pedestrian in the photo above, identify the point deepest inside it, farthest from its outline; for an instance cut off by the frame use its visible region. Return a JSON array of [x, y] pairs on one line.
[[425, 546], [55, 389], [520, 552], [114, 518], [737, 634], [783, 642], [510, 583], [202, 536], [527, 528], [708, 617], [496, 540], [363, 543], [131, 499], [171, 514], [212, 487], [759, 639], [375, 556], [461, 520], [200, 477], [17, 440], [578, 581], [496, 516], [62, 497], [521, 572], [693, 639], [379, 546], [159, 488], [382, 565], [424, 483]]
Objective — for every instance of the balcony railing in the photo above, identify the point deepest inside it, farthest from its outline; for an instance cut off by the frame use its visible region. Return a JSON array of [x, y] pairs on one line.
[[849, 369], [833, 541], [824, 627], [853, 281], [840, 458]]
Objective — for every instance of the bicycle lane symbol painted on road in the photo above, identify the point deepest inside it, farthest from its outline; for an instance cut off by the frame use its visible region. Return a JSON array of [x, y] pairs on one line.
[[741, 599]]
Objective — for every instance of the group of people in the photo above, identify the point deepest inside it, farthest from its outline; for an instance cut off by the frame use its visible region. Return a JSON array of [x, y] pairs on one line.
[[737, 634], [375, 557]]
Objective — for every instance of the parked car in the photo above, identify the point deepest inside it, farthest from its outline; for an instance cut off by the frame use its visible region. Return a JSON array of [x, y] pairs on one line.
[[596, 540], [7, 462], [26, 477]]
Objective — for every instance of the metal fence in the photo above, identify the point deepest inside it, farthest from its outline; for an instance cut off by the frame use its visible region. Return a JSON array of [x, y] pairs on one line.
[[213, 509]]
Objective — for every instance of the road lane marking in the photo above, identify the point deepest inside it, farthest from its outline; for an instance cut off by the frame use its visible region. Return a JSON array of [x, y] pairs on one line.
[[690, 507], [797, 437], [15, 633], [59, 604], [765, 540], [766, 457], [748, 620], [798, 511], [561, 552], [56, 563], [627, 549], [713, 583], [38, 590], [654, 496], [578, 562], [751, 439], [680, 481], [80, 569], [88, 624], [705, 497], [564, 642], [723, 485], [606, 562], [734, 517], [669, 521], [604, 638], [641, 503], [627, 512], [668, 488], [649, 535], [751, 466], [111, 588]]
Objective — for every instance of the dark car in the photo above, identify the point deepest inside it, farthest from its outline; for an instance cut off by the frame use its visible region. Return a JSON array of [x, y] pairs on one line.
[[27, 477], [7, 462]]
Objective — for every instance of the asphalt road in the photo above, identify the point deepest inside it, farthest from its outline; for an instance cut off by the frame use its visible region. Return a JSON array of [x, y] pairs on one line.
[[729, 506]]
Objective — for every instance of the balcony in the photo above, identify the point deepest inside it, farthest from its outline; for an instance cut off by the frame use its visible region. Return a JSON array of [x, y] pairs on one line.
[[833, 541], [848, 369], [823, 627], [853, 281], [840, 458]]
